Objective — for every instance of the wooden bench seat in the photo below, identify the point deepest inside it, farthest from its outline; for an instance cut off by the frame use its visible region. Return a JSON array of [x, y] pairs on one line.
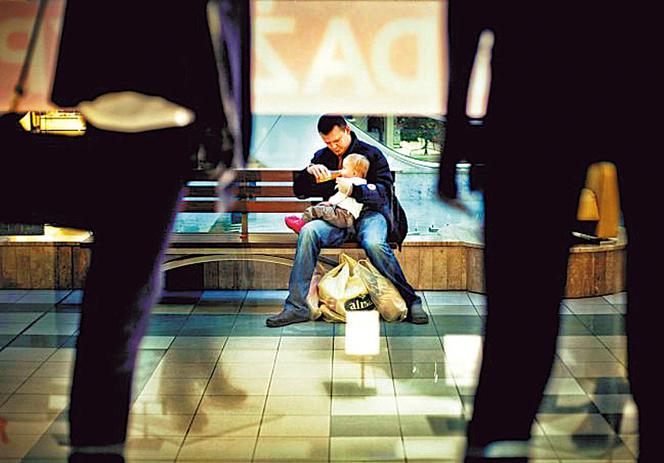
[[259, 190]]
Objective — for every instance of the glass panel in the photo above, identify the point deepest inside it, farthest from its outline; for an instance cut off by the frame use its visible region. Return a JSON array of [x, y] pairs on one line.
[[412, 146]]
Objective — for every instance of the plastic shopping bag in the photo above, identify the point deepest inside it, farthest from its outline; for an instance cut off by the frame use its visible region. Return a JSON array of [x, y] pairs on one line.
[[383, 293], [341, 290]]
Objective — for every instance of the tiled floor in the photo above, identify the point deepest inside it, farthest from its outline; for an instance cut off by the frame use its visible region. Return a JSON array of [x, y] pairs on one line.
[[215, 384]]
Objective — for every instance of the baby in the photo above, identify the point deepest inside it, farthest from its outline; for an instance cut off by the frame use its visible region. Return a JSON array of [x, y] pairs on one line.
[[340, 210]]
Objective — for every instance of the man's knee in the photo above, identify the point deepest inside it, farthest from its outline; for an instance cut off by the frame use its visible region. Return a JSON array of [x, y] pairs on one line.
[[374, 247], [309, 234]]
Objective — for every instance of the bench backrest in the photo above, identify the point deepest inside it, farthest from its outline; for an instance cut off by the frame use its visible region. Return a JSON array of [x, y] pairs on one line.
[[259, 190]]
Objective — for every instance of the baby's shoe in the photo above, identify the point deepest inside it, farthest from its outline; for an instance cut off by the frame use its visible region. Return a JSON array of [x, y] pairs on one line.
[[294, 223]]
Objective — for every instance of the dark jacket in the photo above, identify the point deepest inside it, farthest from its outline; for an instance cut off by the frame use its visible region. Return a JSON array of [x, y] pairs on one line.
[[377, 195]]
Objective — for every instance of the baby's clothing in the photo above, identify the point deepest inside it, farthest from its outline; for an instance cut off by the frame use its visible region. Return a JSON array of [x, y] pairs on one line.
[[342, 211], [334, 215]]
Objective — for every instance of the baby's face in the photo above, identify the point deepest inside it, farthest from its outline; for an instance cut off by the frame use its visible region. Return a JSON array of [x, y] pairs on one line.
[[348, 172]]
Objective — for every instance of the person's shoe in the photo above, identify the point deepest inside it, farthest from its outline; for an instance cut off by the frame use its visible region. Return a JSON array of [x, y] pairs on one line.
[[284, 318], [416, 314], [294, 223], [95, 458]]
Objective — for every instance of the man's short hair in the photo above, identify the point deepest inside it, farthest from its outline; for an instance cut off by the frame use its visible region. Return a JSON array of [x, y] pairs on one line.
[[358, 163], [327, 122]]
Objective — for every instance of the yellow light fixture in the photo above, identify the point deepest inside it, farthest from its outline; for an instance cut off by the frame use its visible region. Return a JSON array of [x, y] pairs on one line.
[[54, 122], [26, 122], [62, 123], [52, 234], [65, 234]]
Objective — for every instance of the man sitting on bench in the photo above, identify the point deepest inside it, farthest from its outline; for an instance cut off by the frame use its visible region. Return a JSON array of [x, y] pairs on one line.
[[382, 219]]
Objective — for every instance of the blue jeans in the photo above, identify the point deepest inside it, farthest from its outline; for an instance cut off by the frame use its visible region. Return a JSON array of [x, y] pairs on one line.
[[371, 229]]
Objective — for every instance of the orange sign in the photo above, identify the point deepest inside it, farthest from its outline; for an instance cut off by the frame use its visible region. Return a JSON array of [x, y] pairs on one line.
[[353, 56], [16, 21]]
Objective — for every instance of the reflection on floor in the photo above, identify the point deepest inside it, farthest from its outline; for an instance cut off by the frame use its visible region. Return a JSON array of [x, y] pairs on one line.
[[215, 384]]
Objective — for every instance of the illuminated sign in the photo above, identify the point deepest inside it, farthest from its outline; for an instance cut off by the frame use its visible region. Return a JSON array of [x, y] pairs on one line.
[[309, 57], [348, 56]]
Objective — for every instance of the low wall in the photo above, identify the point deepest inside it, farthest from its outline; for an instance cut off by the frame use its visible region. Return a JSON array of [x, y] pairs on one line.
[[593, 270]]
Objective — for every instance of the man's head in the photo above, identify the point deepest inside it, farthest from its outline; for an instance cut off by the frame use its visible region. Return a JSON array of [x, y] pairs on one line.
[[355, 165], [335, 132]]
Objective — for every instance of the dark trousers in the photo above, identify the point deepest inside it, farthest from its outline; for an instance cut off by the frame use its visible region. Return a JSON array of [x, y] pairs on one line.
[[530, 209], [125, 189]]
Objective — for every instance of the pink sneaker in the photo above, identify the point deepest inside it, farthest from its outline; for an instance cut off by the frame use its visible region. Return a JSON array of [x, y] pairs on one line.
[[294, 223]]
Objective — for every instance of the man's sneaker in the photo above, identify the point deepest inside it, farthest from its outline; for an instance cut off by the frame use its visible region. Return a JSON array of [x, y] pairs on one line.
[[294, 223]]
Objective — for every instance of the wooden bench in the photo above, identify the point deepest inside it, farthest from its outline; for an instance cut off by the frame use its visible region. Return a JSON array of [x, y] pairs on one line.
[[260, 190], [60, 260]]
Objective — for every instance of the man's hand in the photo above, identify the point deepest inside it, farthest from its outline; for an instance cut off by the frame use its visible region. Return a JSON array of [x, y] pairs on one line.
[[344, 185], [319, 171]]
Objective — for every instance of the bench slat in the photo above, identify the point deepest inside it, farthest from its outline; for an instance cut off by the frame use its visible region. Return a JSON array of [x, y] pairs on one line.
[[271, 206], [243, 192], [265, 175], [247, 206], [257, 175], [265, 191], [249, 175]]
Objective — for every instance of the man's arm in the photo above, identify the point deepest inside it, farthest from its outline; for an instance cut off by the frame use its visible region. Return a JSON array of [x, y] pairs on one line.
[[304, 183], [377, 193]]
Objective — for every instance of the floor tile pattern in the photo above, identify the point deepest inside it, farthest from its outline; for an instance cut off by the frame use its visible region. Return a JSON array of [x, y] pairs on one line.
[[214, 383]]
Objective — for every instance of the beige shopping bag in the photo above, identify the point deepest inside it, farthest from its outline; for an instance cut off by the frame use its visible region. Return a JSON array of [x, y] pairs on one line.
[[384, 294]]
